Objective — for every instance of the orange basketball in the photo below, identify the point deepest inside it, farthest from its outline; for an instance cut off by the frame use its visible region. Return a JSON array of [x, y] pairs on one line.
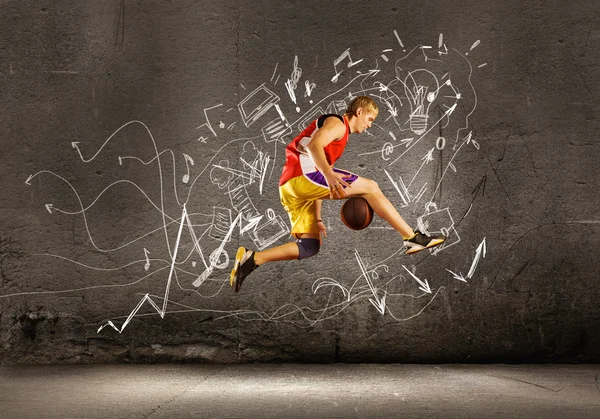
[[356, 213]]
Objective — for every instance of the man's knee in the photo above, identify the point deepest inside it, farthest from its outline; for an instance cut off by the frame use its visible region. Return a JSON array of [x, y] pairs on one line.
[[372, 186], [308, 247]]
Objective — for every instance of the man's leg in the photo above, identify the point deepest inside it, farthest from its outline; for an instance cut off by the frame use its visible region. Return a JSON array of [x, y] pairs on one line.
[[369, 190], [298, 197], [246, 261], [287, 251]]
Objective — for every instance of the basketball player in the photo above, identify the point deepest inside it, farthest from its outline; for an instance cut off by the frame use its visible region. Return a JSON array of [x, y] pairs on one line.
[[309, 176]]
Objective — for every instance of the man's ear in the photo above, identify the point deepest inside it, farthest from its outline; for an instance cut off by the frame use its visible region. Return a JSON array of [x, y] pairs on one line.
[[359, 111]]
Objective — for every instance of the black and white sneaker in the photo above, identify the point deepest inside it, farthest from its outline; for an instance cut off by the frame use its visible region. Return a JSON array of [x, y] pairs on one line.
[[243, 266], [420, 241]]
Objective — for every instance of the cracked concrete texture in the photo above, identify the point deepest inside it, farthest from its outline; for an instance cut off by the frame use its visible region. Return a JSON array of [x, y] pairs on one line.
[[75, 72], [288, 390]]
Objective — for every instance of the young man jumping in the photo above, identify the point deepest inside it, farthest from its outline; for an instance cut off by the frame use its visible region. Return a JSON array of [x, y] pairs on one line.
[[309, 177]]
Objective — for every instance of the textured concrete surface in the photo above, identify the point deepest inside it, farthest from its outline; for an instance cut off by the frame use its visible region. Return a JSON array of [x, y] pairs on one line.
[[104, 105], [310, 391]]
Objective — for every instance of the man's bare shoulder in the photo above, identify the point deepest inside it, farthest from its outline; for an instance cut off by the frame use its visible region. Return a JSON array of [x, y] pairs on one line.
[[334, 126]]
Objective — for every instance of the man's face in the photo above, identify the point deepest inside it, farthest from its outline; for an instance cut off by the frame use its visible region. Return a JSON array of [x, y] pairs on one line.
[[365, 119]]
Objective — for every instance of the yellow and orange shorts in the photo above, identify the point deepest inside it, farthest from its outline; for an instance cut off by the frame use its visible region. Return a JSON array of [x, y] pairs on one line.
[[298, 196]]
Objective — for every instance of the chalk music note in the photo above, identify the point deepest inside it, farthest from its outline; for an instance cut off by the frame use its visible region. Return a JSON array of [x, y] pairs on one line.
[[345, 54], [147, 265], [309, 87], [186, 177]]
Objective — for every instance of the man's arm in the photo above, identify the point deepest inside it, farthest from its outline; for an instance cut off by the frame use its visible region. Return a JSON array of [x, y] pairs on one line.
[[318, 204], [321, 224], [331, 130]]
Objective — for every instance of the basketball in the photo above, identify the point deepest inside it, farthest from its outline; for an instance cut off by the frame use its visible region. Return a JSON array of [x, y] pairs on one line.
[[356, 213]]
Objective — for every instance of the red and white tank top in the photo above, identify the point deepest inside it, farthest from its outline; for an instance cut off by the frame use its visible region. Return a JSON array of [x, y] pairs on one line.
[[297, 160]]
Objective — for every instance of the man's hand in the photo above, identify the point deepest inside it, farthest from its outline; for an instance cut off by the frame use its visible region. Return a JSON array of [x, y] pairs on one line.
[[336, 184], [322, 230]]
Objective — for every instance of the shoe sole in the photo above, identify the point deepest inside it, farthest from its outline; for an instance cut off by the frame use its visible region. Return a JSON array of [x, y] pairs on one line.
[[418, 248], [238, 258]]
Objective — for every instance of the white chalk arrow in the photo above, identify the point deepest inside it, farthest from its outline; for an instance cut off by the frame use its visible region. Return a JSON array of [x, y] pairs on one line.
[[252, 223], [426, 159], [451, 109], [424, 284], [460, 276], [49, 208], [479, 253], [407, 141], [469, 137], [482, 247], [429, 156], [28, 181], [379, 303], [75, 145]]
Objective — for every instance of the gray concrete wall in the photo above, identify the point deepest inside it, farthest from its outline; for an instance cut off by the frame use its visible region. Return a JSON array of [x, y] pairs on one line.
[[101, 102]]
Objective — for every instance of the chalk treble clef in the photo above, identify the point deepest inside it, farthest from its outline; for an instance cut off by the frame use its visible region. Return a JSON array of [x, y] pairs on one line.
[[296, 74]]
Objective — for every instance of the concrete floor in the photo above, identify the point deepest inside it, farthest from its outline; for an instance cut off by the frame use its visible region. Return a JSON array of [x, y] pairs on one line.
[[290, 391]]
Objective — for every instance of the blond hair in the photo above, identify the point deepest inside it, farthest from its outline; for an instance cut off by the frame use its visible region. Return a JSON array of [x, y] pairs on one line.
[[364, 102]]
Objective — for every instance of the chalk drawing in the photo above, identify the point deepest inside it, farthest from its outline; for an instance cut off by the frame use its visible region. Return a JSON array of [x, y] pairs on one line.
[[418, 91], [256, 104], [207, 124], [292, 84], [345, 56], [186, 177]]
